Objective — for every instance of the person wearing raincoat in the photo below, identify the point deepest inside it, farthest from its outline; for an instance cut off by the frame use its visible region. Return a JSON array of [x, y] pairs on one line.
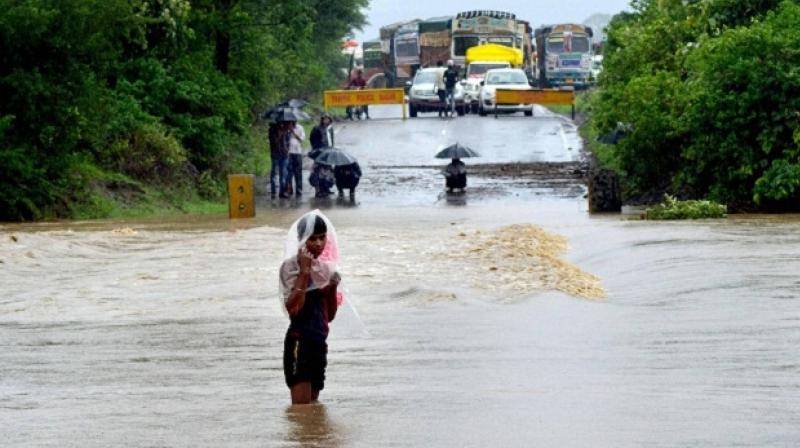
[[308, 284]]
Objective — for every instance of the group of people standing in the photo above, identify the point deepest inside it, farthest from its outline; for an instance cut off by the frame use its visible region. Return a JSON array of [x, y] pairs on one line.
[[286, 148]]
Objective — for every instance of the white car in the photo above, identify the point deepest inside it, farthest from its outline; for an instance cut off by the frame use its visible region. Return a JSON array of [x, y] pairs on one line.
[[504, 78], [476, 71], [422, 95]]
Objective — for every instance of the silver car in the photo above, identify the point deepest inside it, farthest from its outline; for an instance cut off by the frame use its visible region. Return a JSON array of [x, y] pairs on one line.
[[423, 96]]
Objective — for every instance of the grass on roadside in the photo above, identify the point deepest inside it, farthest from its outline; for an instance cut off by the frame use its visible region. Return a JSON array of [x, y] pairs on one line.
[[561, 109], [152, 202], [672, 208]]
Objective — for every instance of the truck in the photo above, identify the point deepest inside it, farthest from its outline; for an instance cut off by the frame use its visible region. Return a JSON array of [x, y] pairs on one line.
[[564, 55], [524, 32], [374, 67], [435, 39], [480, 27], [400, 45], [351, 49]]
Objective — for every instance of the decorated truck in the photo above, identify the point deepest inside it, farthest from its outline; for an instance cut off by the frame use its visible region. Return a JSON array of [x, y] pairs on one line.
[[474, 28], [374, 67], [524, 33], [351, 49], [564, 55], [435, 39], [400, 45]]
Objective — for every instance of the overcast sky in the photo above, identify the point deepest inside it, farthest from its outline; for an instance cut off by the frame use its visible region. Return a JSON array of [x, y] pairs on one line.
[[384, 12]]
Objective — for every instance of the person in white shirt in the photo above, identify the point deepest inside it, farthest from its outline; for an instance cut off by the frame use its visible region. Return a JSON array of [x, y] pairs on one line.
[[441, 89], [296, 137]]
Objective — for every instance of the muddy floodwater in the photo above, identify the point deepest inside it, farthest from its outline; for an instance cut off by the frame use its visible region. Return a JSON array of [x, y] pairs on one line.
[[168, 332]]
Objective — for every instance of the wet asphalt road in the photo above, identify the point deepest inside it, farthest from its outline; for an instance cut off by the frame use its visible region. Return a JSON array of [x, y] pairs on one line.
[[397, 158], [387, 141]]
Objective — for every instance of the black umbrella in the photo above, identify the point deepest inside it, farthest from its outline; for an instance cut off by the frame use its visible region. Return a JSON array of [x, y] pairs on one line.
[[335, 156], [456, 151], [287, 114], [294, 103]]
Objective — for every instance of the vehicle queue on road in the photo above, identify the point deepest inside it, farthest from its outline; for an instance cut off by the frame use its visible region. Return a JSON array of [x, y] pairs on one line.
[[408, 55]]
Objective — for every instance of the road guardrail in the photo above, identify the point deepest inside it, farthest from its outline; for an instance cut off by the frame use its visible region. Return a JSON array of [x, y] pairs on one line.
[[344, 98], [540, 96]]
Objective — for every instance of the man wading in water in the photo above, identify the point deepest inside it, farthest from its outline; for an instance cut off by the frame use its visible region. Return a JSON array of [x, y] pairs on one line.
[[309, 290]]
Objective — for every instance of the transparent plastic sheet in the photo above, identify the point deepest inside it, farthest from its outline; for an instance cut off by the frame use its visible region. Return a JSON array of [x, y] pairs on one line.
[[322, 269]]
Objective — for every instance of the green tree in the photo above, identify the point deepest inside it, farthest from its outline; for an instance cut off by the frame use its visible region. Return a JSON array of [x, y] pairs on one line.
[[743, 102], [710, 90], [163, 92]]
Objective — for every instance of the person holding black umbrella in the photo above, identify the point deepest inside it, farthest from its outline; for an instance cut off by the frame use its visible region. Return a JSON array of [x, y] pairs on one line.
[[347, 177], [455, 175], [347, 172], [321, 178]]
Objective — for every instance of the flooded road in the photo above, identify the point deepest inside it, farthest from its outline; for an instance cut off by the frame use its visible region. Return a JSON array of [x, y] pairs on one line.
[[169, 333]]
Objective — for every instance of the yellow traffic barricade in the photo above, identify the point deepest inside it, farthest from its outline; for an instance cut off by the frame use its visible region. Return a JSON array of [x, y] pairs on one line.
[[540, 96], [240, 196], [364, 97]]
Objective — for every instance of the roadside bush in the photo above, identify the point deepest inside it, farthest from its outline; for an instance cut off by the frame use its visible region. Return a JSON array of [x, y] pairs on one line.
[[208, 187], [149, 154], [650, 154], [744, 97], [153, 91], [672, 208], [711, 91]]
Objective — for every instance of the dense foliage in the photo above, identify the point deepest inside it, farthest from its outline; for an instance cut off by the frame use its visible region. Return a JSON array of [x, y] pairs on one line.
[[123, 95], [711, 89]]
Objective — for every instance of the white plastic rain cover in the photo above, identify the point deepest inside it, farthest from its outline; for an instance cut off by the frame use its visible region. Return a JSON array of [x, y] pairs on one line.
[[322, 267]]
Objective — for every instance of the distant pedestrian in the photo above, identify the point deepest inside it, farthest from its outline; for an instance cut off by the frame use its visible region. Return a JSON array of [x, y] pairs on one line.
[[357, 83], [441, 89], [347, 178], [296, 137], [279, 154], [450, 81], [322, 134]]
